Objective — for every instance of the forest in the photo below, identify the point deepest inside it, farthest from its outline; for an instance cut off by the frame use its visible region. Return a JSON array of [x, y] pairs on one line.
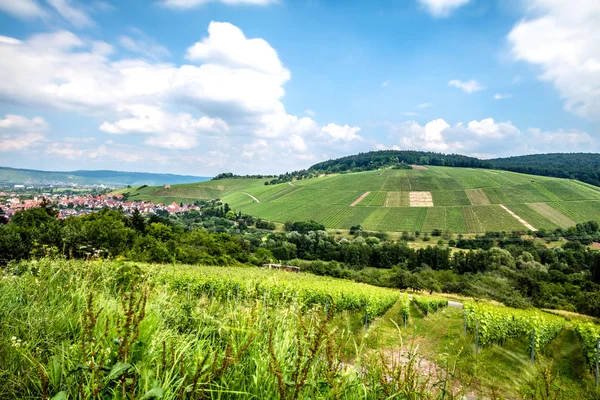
[[517, 271]]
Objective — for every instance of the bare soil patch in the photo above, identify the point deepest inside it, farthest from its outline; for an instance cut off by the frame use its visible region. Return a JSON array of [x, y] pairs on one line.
[[362, 196], [421, 199], [420, 167]]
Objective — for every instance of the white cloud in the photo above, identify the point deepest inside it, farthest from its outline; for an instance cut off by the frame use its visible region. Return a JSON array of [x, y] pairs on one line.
[[385, 83], [20, 133], [72, 13], [185, 4], [467, 87], [226, 44], [570, 141], [380, 146], [144, 45], [442, 8], [20, 123], [502, 96], [487, 128], [24, 9], [485, 138], [424, 105], [561, 38], [229, 97], [344, 133], [310, 112], [409, 114], [20, 142]]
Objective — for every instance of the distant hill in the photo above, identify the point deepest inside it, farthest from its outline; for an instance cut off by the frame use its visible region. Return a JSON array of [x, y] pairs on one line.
[[425, 199], [388, 158], [106, 177], [582, 166]]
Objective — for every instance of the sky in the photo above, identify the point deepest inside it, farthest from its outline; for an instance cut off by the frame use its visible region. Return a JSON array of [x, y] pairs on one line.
[[200, 87]]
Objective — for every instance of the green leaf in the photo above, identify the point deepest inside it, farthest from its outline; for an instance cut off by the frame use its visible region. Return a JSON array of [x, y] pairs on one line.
[[60, 396], [117, 370], [155, 393]]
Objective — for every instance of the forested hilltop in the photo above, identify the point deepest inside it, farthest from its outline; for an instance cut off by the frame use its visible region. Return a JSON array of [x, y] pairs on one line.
[[582, 166], [401, 158]]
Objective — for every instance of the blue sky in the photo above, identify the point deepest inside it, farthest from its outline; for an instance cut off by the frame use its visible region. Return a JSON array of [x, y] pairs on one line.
[[266, 86]]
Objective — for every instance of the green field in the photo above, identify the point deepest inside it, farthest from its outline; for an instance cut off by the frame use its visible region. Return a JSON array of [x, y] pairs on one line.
[[465, 200]]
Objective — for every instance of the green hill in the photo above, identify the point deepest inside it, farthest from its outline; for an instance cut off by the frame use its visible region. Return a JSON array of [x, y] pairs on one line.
[[461, 200], [105, 177]]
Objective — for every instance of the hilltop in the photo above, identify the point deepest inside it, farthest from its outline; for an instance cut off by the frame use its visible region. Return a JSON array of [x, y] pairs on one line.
[[102, 177], [460, 200]]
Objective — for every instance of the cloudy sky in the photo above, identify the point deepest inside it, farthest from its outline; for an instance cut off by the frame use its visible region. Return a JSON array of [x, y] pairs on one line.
[[266, 86]]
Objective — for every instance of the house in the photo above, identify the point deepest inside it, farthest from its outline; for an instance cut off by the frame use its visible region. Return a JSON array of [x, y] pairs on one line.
[[167, 186]]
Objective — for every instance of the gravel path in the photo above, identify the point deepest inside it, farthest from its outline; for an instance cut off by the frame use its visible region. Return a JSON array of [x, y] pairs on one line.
[[253, 198], [365, 194], [521, 220]]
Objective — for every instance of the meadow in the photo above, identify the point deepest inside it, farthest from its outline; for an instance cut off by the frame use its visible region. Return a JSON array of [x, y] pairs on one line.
[[465, 200], [122, 330]]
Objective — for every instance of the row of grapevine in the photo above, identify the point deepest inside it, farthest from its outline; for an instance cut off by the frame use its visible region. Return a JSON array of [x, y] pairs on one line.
[[429, 304], [498, 324], [589, 334], [278, 287]]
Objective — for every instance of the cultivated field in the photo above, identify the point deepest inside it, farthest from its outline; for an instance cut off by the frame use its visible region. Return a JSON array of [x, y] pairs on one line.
[[461, 200]]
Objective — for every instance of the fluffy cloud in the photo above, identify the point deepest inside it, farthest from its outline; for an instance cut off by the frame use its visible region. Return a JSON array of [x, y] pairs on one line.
[[487, 128], [185, 4], [343, 133], [228, 96], [19, 133], [500, 96], [467, 87], [485, 138], [562, 38], [24, 9], [442, 8]]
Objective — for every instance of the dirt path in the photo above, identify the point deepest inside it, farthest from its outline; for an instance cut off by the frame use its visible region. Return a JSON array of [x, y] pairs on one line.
[[253, 198], [291, 184], [521, 220], [419, 167], [365, 194]]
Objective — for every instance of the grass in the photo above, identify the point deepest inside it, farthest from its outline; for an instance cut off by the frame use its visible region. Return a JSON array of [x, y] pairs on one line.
[[109, 330], [468, 198]]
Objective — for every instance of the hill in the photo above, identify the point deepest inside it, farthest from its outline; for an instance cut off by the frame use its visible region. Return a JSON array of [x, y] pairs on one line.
[[105, 177], [461, 200], [582, 166]]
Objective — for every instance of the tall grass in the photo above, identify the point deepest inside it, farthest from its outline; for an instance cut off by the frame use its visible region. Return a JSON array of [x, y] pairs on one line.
[[110, 330]]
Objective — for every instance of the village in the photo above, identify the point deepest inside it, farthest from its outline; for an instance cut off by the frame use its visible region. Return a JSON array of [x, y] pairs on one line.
[[73, 205]]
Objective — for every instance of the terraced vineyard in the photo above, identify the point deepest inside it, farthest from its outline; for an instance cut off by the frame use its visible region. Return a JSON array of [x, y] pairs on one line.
[[461, 200]]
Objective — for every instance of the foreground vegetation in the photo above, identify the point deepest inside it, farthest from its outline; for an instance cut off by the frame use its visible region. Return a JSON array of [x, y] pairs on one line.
[[120, 330]]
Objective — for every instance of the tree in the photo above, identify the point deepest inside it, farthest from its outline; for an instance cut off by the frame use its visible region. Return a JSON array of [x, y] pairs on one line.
[[137, 221]]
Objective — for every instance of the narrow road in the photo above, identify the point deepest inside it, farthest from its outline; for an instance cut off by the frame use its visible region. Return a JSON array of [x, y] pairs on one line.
[[365, 194], [253, 198], [291, 184], [521, 220]]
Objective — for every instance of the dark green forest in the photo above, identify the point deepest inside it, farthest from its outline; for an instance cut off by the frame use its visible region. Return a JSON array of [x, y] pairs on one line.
[[517, 271], [582, 166]]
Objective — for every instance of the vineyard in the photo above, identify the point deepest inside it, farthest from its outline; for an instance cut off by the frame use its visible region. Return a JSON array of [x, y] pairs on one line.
[[108, 329], [464, 200], [500, 324]]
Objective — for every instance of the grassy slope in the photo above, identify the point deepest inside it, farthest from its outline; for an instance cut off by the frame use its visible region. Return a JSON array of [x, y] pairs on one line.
[[191, 325], [465, 200]]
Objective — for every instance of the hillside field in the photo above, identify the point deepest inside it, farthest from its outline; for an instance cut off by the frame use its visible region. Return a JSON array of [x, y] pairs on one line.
[[460, 200]]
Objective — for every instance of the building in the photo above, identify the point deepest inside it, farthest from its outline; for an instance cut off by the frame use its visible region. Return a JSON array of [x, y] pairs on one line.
[[167, 186]]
